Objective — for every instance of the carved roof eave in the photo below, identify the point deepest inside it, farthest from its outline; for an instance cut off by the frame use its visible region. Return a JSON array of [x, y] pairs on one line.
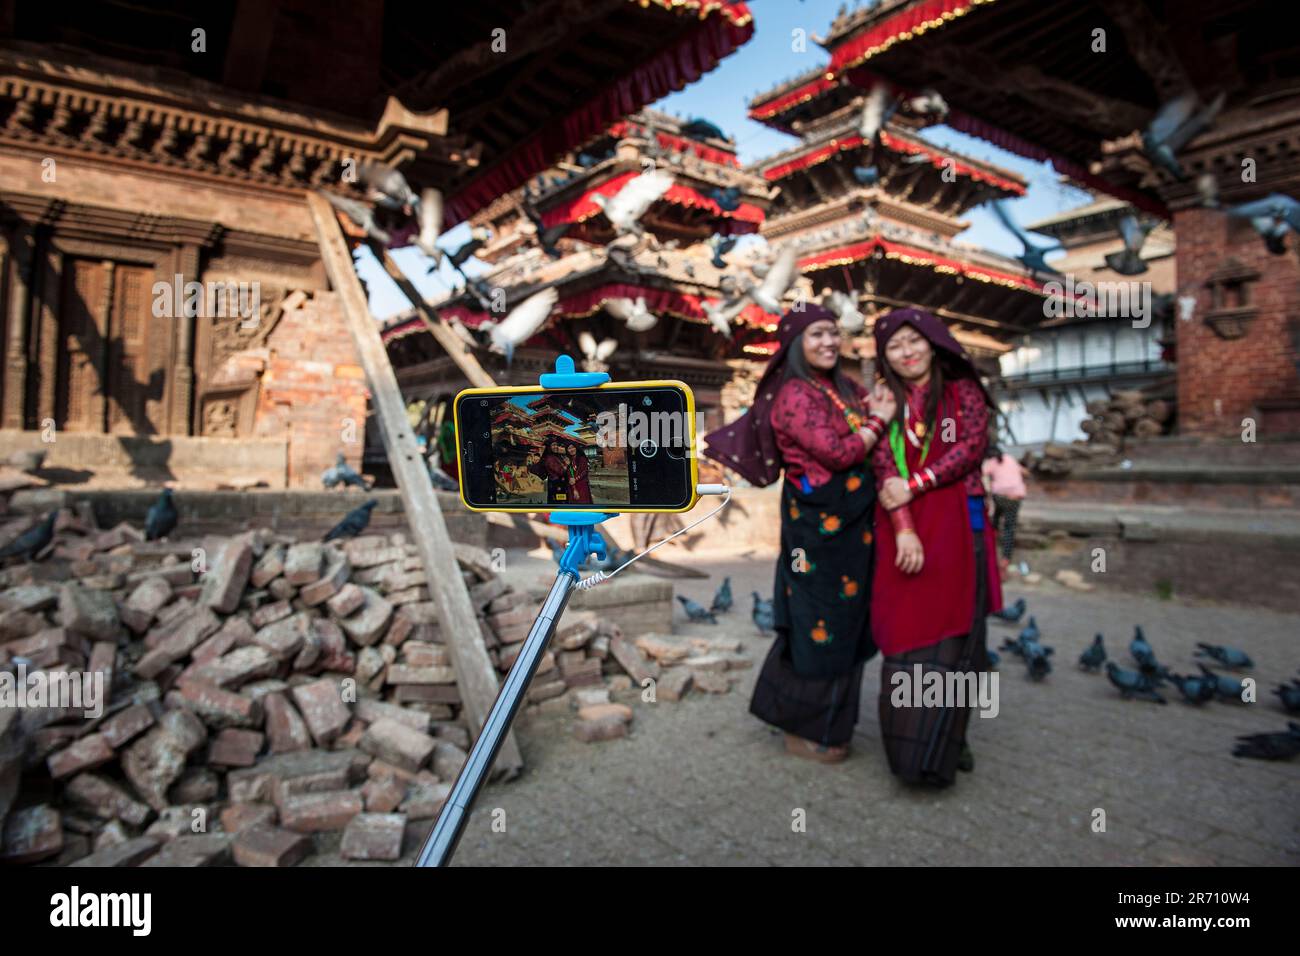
[[82, 111], [753, 188], [796, 81], [904, 131], [839, 208]]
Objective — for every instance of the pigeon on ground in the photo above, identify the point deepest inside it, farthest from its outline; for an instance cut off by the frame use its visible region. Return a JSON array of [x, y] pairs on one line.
[[1281, 746], [1227, 656], [696, 611], [353, 523], [1031, 631], [722, 600], [32, 541], [1032, 255], [1145, 655], [993, 658], [1290, 696], [763, 615], [1132, 684], [1034, 654], [1094, 656], [1127, 262], [162, 517], [1012, 613], [1229, 688], [1195, 690], [341, 473], [1175, 124]]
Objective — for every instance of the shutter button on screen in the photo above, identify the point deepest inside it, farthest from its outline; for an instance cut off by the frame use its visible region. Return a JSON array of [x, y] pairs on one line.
[[649, 448]]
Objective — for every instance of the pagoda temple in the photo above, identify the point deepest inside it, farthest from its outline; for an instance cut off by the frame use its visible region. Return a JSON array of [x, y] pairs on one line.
[[1094, 87]]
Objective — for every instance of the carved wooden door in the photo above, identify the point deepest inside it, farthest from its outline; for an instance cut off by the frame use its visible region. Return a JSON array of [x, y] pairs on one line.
[[114, 350]]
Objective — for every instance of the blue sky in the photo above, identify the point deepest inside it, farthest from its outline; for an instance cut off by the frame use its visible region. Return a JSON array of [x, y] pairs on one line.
[[723, 95]]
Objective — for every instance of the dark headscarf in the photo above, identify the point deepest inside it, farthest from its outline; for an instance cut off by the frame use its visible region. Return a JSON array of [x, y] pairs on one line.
[[935, 332], [748, 445]]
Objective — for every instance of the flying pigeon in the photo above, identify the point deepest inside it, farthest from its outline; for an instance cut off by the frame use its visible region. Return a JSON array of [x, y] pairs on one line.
[[845, 306], [1225, 686], [635, 314], [1195, 690], [698, 128], [928, 103], [547, 236], [32, 541], [778, 280], [721, 245], [362, 215], [721, 315], [1011, 614], [696, 611], [763, 615], [626, 207], [722, 600], [1175, 124], [1092, 658], [1290, 696], [1127, 262], [386, 186], [341, 473], [523, 322], [478, 236], [353, 523], [866, 175], [1273, 217], [1132, 684], [1227, 656], [1032, 256], [728, 199], [877, 110], [594, 353], [430, 218], [162, 517], [1281, 746]]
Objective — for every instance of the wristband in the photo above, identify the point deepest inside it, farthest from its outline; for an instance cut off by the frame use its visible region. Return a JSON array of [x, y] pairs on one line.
[[901, 520], [875, 424], [921, 480]]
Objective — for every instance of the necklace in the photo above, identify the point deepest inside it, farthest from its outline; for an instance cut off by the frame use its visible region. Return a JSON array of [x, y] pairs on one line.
[[850, 416]]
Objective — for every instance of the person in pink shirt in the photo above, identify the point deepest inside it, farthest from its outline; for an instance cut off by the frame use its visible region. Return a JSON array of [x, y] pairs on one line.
[[1004, 477]]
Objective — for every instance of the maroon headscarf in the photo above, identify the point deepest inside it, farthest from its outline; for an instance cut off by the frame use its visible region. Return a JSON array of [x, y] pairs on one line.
[[935, 332], [748, 445]]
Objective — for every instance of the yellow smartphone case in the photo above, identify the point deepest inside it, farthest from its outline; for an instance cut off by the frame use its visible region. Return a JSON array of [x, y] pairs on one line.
[[608, 386]]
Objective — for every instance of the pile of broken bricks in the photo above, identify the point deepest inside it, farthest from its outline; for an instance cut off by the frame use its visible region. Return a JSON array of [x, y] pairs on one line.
[[261, 691]]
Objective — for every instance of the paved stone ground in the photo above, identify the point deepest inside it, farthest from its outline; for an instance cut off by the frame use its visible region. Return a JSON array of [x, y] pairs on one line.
[[703, 782]]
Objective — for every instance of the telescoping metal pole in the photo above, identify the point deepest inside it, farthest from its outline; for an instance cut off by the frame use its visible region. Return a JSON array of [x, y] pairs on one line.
[[441, 842]]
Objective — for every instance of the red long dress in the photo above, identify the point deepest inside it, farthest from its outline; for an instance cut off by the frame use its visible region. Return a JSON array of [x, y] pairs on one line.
[[910, 611]]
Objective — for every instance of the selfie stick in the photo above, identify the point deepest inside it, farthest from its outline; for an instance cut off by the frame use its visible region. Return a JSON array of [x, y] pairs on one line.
[[584, 540]]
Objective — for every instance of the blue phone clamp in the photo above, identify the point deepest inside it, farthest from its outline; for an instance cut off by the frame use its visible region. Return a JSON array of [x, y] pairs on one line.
[[584, 540]]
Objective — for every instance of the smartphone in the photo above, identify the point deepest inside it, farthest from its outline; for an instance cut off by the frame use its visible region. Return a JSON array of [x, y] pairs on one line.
[[625, 447]]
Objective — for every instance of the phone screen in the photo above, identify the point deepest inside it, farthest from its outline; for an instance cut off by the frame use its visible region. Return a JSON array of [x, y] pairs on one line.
[[624, 448]]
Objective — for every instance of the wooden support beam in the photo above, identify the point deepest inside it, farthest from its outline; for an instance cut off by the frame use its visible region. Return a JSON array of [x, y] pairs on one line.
[[451, 343], [475, 675]]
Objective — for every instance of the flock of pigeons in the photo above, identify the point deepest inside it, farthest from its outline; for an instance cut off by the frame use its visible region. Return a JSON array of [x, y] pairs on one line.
[[1144, 682]]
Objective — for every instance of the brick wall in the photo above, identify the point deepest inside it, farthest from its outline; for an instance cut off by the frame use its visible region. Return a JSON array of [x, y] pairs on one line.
[[1220, 381], [312, 387]]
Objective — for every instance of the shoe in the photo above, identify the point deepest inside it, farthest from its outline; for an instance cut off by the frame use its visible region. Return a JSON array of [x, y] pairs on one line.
[[966, 759], [811, 750]]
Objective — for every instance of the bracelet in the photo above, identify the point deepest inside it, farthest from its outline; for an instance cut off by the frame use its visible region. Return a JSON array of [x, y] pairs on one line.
[[875, 424], [919, 481]]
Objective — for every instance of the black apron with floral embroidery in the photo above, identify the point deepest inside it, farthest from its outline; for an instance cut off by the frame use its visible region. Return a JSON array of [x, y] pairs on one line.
[[810, 683]]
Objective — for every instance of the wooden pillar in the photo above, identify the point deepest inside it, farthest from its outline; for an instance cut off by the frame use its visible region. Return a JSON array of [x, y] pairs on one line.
[[46, 325], [182, 377], [475, 675], [18, 261]]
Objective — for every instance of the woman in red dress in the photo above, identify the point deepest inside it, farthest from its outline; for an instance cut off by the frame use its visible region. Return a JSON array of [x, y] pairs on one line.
[[936, 571], [576, 471]]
